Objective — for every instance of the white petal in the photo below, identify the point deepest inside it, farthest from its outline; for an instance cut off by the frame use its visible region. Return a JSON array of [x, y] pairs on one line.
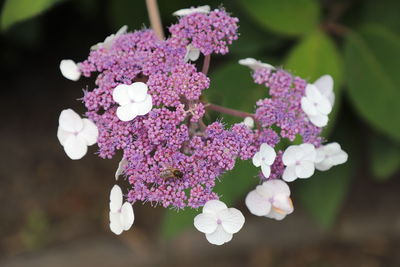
[[319, 120], [320, 156], [256, 204], [312, 93], [323, 166], [121, 95], [268, 154], [249, 122], [127, 112], [75, 147], [257, 159], [205, 223], [145, 106], [193, 53], [308, 107], [62, 135], [121, 167], [89, 132], [115, 223], [282, 204], [325, 86], [214, 206], [247, 61], [324, 106], [289, 174], [275, 215], [305, 169], [266, 170], [115, 199], [338, 158], [127, 216], [188, 11], [255, 64], [232, 220], [278, 187], [70, 121], [70, 70], [219, 236], [309, 152], [265, 191], [291, 155], [138, 91], [331, 148], [121, 31]]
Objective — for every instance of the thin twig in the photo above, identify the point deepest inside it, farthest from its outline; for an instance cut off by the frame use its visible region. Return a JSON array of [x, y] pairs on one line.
[[233, 112], [206, 64], [154, 17]]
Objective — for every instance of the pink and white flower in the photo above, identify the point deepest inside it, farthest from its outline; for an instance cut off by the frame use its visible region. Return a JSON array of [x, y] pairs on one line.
[[271, 199], [133, 100], [299, 161], [121, 215], [76, 134], [264, 158], [219, 222], [329, 155]]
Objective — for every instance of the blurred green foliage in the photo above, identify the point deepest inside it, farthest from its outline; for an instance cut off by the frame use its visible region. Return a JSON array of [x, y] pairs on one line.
[[357, 42]]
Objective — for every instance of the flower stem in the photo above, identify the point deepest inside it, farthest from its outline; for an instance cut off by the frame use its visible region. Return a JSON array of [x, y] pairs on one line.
[[206, 64], [154, 17], [233, 112]]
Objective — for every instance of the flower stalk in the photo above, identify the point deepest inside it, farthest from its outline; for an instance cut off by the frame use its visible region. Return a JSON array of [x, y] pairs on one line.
[[154, 17], [229, 111]]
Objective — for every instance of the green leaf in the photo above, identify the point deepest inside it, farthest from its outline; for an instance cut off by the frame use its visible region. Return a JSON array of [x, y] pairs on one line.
[[233, 87], [127, 12], [372, 61], [314, 56], [18, 10], [323, 194], [289, 17], [386, 13], [234, 185], [385, 157]]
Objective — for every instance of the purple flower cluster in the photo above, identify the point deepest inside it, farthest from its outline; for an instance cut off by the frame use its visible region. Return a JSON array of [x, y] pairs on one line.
[[283, 111], [211, 33], [283, 108], [171, 136]]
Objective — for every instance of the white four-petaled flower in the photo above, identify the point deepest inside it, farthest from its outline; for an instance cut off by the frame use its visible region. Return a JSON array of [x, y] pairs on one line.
[[121, 168], [133, 100], [330, 155], [188, 11], [76, 134], [255, 64], [264, 158], [299, 161], [107, 43], [70, 70], [316, 105], [121, 215], [192, 53], [219, 222], [271, 199]]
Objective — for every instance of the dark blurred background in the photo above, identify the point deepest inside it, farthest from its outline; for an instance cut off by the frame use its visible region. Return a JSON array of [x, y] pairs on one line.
[[55, 211]]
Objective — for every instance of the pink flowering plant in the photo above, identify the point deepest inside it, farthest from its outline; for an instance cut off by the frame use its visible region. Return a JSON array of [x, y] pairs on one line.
[[148, 102]]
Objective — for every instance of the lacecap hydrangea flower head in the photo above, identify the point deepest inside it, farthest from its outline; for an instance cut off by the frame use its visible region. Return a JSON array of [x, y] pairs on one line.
[[147, 103]]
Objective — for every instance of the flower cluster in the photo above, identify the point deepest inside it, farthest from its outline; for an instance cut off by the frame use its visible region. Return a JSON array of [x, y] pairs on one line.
[[147, 103]]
